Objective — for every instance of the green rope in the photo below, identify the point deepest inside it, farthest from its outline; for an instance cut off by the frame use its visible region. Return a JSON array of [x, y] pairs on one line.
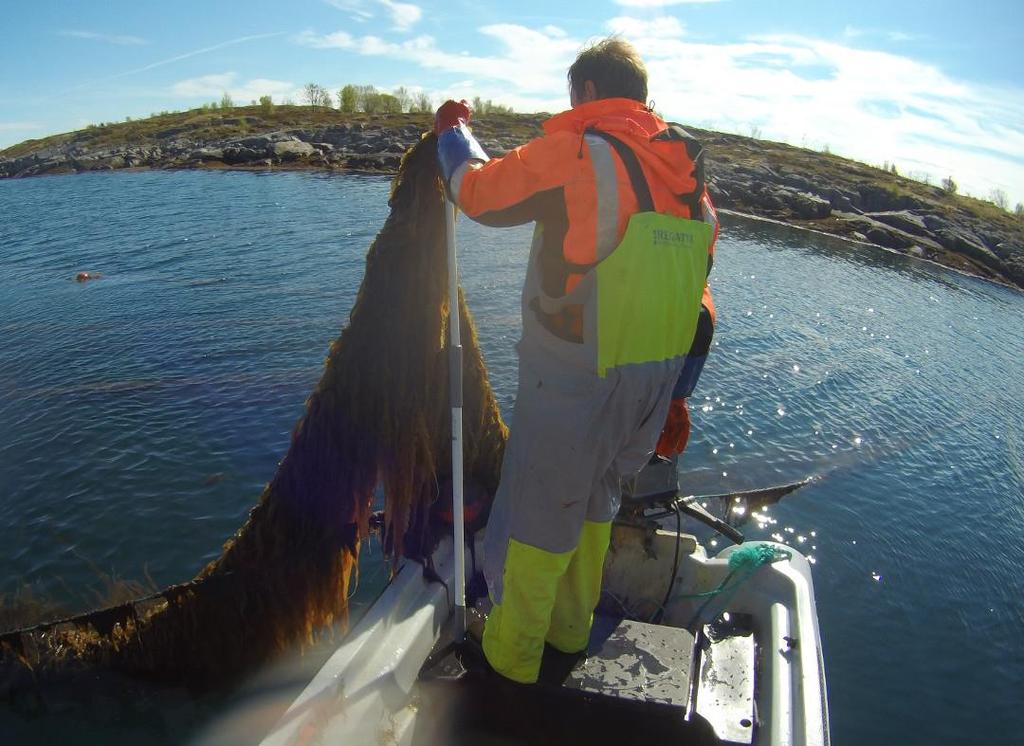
[[753, 556], [744, 561]]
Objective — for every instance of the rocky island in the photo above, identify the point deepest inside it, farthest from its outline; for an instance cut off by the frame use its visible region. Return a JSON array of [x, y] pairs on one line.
[[765, 179]]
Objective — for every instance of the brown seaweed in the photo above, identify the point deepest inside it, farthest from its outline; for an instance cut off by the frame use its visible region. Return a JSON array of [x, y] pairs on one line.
[[379, 417]]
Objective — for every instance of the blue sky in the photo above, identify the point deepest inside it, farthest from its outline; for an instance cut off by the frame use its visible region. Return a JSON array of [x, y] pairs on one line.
[[935, 87]]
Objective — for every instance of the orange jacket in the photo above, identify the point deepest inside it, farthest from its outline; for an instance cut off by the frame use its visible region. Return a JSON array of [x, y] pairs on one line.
[[552, 180]]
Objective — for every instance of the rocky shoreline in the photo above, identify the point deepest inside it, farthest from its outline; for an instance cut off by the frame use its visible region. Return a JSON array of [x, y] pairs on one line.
[[347, 146], [764, 179], [847, 199]]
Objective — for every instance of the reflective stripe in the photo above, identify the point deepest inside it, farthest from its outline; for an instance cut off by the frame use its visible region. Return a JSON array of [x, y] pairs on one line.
[[455, 185], [607, 188], [710, 217]]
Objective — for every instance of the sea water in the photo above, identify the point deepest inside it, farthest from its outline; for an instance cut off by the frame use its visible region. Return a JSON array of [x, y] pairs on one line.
[[142, 413]]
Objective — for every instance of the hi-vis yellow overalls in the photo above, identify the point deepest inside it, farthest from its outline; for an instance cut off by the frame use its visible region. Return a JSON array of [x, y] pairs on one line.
[[617, 271]]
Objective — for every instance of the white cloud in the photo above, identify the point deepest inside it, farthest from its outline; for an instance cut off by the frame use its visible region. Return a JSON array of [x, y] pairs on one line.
[[665, 27], [252, 89], [355, 8], [856, 32], [18, 126], [868, 105], [403, 15], [337, 40], [865, 104], [213, 86], [168, 61], [528, 61], [660, 3], [205, 85], [108, 38]]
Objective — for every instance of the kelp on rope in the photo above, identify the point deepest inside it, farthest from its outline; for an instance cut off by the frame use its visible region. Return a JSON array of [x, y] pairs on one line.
[[378, 416]]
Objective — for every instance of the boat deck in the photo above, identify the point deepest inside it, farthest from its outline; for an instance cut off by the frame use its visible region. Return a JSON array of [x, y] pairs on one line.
[[751, 674], [633, 686]]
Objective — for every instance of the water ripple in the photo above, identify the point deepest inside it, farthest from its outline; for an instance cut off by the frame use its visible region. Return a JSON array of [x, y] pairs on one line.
[[143, 412]]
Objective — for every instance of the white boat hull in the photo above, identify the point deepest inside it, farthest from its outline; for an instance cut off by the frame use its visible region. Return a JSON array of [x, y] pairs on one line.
[[366, 692]]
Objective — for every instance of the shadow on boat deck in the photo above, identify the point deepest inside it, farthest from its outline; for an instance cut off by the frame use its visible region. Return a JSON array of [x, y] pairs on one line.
[[482, 708]]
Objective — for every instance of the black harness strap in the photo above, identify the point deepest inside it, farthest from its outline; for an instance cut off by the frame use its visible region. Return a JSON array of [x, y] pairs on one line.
[[632, 164], [636, 175], [696, 153], [567, 322]]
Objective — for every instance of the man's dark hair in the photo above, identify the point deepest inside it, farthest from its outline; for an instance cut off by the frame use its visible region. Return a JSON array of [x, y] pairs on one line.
[[614, 67]]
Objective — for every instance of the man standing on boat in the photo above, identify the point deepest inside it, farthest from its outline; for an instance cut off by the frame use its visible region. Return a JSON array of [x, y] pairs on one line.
[[612, 304]]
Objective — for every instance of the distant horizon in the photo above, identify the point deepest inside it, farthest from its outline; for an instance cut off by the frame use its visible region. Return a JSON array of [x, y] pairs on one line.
[[932, 87]]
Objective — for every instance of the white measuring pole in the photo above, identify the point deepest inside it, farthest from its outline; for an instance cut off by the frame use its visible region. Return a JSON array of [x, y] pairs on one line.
[[455, 380]]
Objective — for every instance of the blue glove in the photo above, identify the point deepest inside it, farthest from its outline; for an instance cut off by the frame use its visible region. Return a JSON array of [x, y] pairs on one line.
[[455, 142]]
